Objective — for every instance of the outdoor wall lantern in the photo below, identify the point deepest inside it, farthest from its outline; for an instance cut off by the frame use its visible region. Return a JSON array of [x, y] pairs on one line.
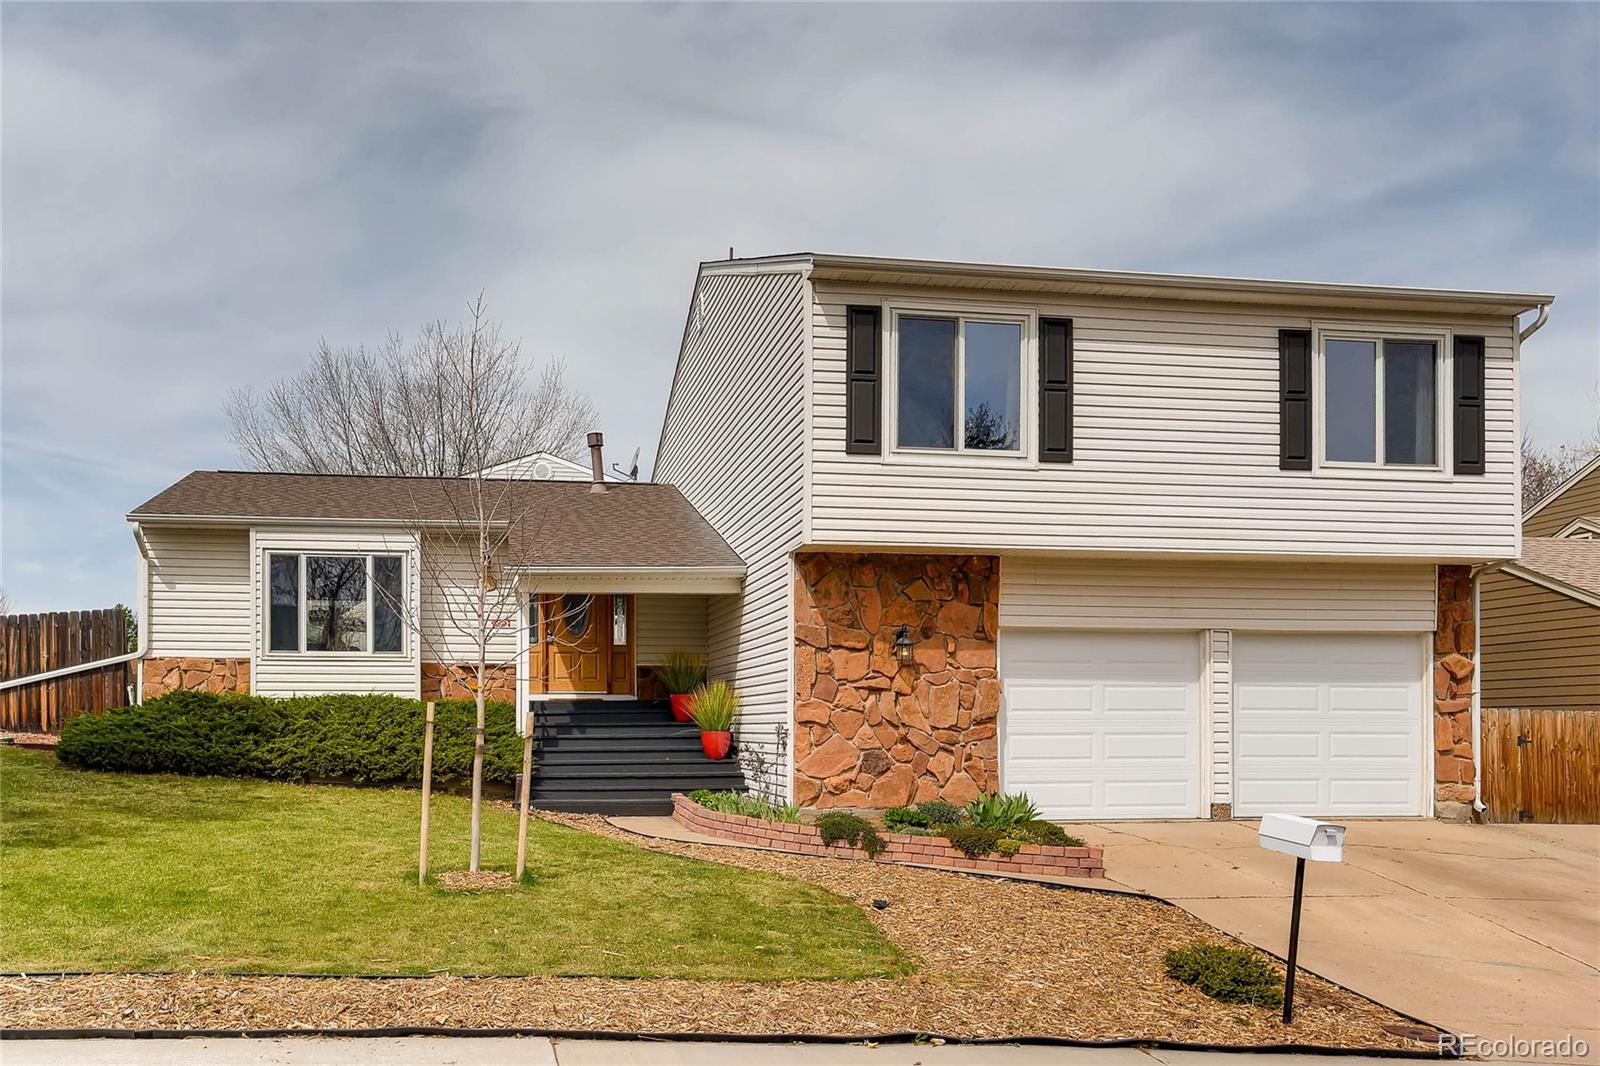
[[1304, 838], [902, 643]]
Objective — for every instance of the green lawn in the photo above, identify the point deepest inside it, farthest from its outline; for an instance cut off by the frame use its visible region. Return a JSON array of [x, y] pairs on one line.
[[129, 872]]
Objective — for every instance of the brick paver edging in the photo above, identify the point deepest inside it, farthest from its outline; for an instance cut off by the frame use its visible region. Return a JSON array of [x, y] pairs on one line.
[[1036, 859]]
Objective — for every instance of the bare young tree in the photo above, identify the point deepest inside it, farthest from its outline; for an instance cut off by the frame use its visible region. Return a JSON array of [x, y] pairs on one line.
[[475, 535], [399, 409]]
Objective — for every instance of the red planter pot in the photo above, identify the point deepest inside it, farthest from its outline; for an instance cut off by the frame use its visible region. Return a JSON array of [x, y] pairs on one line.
[[716, 745], [680, 705]]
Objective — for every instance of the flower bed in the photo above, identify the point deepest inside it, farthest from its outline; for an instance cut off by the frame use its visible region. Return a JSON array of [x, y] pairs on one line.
[[1033, 859]]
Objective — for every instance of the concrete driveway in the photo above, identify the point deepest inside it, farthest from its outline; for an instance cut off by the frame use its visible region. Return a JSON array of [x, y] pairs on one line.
[[1491, 930]]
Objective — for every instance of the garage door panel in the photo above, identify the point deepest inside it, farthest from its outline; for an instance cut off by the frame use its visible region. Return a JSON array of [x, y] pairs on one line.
[[1280, 745], [1371, 746], [1276, 794], [1281, 699], [1102, 725], [1148, 747], [1359, 795], [1129, 699], [1327, 725]]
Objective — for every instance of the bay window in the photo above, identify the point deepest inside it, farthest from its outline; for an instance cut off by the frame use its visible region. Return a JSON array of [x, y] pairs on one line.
[[335, 603]]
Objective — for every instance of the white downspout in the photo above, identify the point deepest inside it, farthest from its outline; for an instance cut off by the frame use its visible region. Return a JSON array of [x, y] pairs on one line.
[[1478, 805], [144, 612]]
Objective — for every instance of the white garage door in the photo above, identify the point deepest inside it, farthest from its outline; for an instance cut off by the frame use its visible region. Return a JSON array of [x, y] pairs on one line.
[[1327, 725], [1102, 725]]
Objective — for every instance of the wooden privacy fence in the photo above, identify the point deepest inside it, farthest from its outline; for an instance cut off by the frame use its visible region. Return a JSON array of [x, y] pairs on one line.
[[32, 644], [1541, 765]]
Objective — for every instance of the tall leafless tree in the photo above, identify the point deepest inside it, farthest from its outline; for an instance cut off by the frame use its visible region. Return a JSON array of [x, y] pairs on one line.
[[399, 409]]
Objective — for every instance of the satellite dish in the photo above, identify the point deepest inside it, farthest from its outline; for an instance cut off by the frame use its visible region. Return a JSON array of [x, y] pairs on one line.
[[633, 467]]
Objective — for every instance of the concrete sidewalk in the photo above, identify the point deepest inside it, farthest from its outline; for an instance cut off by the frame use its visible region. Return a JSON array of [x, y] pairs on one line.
[[1486, 929], [537, 1051]]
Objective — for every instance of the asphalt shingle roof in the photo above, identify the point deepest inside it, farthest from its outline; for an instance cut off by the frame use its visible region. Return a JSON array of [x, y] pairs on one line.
[[557, 523], [1570, 560]]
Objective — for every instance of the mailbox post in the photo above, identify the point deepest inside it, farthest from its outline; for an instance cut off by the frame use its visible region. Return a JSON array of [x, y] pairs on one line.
[[1304, 838]]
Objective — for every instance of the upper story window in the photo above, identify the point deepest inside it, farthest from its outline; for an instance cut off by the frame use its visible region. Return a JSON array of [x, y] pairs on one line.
[[958, 383], [1380, 401], [335, 603]]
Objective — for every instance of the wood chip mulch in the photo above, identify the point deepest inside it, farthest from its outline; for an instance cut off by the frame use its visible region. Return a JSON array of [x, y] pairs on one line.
[[467, 881], [994, 959], [30, 740]]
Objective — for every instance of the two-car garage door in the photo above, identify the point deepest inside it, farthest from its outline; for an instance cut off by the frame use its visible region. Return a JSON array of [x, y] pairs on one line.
[[1110, 725]]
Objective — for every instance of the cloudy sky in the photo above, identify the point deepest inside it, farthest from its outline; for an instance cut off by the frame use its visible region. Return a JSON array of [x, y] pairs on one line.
[[191, 196]]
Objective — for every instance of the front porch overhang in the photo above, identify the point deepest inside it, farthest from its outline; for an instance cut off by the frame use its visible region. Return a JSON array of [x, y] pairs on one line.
[[631, 579]]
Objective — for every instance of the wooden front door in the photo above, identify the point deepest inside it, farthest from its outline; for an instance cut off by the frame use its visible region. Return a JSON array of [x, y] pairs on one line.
[[575, 642]]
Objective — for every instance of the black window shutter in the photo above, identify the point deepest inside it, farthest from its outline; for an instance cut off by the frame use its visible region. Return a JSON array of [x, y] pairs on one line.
[[1469, 405], [1055, 390], [863, 401], [1294, 399]]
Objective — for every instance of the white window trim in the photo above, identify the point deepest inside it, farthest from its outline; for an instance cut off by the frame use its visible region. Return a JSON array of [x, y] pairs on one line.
[[303, 654], [1028, 319], [1442, 469]]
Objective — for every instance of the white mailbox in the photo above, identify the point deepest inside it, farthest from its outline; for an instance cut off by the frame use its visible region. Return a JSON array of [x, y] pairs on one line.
[[1304, 838]]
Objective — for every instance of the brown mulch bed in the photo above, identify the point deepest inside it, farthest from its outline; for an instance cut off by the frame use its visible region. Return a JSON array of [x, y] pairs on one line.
[[994, 958], [31, 740]]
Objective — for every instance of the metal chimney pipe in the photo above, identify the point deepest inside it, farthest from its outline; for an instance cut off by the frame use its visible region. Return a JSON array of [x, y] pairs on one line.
[[596, 464]]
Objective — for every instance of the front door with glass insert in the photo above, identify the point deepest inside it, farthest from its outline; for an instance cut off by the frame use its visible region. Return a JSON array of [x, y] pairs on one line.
[[575, 644]]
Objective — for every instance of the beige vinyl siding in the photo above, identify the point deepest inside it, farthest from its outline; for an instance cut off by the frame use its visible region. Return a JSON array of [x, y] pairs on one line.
[[1173, 594], [1540, 648], [449, 605], [1176, 448], [1219, 681], [734, 445], [200, 597], [1580, 500], [668, 623], [305, 673]]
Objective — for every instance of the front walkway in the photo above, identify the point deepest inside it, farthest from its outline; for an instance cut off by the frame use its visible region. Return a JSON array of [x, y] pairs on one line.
[[1492, 930]]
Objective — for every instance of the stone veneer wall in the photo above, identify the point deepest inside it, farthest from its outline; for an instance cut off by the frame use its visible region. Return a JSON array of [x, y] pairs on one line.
[[163, 675], [870, 732], [454, 681], [1040, 860], [1453, 677]]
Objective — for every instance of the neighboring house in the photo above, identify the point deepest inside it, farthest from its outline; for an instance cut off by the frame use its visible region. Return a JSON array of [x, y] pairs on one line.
[[1139, 545], [1540, 620]]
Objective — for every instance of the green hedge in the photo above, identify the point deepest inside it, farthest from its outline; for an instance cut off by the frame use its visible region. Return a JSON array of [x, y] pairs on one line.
[[374, 739]]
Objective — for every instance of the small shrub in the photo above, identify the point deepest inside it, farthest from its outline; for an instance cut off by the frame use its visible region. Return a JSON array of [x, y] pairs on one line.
[[372, 738], [938, 812], [714, 707], [1231, 975], [971, 840], [748, 806], [1002, 812], [855, 831], [682, 671], [1007, 846], [904, 818], [1038, 832]]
